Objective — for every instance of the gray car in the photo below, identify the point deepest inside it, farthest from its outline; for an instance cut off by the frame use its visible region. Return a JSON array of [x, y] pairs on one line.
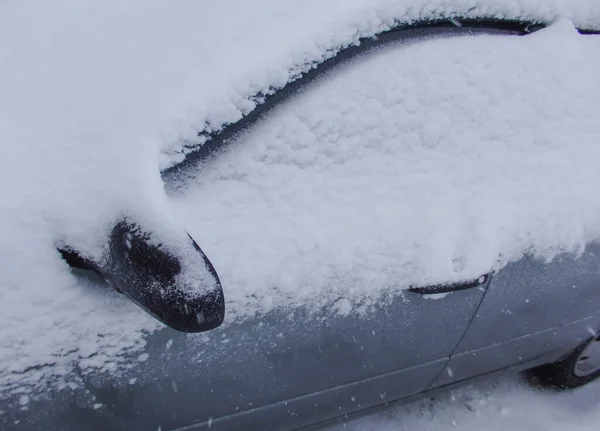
[[301, 369]]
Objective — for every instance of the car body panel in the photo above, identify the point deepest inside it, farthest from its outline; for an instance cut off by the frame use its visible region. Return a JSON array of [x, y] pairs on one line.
[[556, 303], [274, 370], [543, 295], [322, 406], [542, 347]]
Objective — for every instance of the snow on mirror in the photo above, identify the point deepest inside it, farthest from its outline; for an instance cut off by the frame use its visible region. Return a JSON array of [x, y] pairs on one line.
[[418, 164], [168, 277]]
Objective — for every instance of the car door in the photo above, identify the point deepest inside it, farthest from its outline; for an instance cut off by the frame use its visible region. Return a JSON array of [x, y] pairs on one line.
[[280, 372], [533, 311]]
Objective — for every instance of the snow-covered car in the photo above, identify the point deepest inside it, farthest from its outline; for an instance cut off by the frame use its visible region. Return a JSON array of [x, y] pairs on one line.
[[397, 197]]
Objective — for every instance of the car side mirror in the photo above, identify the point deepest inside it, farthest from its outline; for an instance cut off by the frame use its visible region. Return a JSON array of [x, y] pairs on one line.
[[175, 283]]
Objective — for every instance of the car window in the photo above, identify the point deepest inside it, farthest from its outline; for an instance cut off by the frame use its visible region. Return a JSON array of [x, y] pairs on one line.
[[416, 164]]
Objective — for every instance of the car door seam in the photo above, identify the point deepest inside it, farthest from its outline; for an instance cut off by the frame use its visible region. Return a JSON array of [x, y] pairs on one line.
[[451, 355]]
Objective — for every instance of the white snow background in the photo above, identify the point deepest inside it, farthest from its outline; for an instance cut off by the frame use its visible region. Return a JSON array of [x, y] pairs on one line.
[[95, 97]]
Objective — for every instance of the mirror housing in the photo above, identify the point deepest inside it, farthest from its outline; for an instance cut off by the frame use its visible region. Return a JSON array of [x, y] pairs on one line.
[[152, 275]]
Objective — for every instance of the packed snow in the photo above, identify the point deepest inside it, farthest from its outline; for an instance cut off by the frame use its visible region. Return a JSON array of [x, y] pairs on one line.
[[498, 405], [96, 97], [308, 33], [418, 164]]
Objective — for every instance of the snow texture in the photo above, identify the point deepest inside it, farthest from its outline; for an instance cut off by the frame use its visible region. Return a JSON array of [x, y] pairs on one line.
[[308, 33], [500, 405], [96, 97], [418, 164]]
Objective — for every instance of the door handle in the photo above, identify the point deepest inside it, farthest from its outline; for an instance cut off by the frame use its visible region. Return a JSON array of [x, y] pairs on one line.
[[450, 287]]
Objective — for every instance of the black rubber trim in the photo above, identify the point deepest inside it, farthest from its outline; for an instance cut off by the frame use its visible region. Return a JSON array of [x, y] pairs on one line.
[[76, 260], [588, 31]]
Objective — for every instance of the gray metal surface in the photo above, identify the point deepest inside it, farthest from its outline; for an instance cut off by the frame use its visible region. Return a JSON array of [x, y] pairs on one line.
[[224, 376], [531, 309]]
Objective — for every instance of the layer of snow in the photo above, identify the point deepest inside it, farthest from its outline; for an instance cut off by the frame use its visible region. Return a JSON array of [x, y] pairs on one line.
[[251, 62], [500, 405], [418, 164], [96, 97]]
